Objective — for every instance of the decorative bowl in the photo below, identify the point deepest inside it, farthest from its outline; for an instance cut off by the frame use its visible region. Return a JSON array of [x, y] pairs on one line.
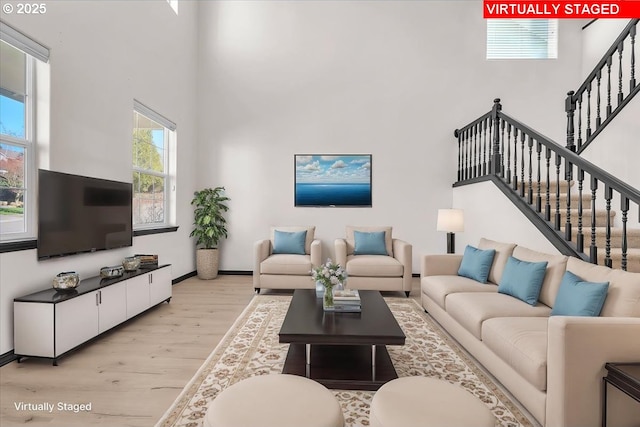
[[66, 280], [111, 272], [131, 263]]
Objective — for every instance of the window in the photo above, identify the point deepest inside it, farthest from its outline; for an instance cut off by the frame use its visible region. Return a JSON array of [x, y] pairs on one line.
[[18, 56], [522, 38], [152, 137]]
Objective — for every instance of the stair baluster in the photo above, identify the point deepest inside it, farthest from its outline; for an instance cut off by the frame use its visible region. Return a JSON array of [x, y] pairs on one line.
[[620, 95], [608, 195], [579, 121], [538, 198], [515, 154], [632, 81], [598, 100], [547, 206], [474, 152], [484, 147], [593, 249], [467, 174], [508, 152], [568, 174], [558, 163], [580, 236], [490, 139], [457, 135], [588, 135], [624, 207], [522, 137], [609, 62], [530, 189]]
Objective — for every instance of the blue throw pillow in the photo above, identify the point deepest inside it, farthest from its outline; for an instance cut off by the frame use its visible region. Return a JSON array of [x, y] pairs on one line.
[[523, 280], [476, 263], [289, 242], [369, 243], [579, 298]]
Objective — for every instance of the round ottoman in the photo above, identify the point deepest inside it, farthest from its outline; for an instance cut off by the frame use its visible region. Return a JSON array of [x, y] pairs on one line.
[[427, 402], [275, 400]]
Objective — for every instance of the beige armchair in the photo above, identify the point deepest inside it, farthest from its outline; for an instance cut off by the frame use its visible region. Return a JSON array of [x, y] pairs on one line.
[[291, 267], [389, 269]]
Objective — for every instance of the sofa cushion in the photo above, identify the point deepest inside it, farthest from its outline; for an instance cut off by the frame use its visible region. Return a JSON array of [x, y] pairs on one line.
[[470, 309], [523, 280], [351, 239], [556, 266], [579, 298], [623, 297], [503, 252], [374, 265], [369, 243], [521, 342], [308, 238], [287, 264], [438, 287], [289, 242], [476, 263]]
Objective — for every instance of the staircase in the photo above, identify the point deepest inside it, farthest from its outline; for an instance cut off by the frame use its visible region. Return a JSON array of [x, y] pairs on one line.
[[615, 248], [580, 208]]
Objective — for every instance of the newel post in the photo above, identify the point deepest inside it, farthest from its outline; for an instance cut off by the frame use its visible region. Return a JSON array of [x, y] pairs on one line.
[[496, 161], [570, 108]]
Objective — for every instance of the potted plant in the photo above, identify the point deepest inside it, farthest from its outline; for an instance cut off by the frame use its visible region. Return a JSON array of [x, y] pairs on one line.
[[210, 226]]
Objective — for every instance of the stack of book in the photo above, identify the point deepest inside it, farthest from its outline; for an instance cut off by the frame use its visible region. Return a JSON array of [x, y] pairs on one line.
[[347, 300], [147, 261]]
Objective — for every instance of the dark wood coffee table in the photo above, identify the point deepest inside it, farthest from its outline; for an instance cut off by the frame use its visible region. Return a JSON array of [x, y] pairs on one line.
[[340, 350]]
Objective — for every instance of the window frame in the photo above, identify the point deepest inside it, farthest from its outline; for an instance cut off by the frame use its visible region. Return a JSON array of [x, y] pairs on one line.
[[168, 140], [28, 144]]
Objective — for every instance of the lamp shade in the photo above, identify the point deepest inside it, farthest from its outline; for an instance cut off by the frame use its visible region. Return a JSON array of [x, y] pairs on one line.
[[450, 220]]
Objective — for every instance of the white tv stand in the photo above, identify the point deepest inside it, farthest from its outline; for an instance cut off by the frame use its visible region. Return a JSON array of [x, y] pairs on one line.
[[50, 323]]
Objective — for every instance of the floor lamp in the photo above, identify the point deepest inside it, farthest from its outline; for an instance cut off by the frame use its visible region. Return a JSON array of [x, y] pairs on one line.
[[451, 221]]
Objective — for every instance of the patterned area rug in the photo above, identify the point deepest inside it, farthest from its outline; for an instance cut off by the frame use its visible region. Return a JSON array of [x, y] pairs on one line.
[[251, 348]]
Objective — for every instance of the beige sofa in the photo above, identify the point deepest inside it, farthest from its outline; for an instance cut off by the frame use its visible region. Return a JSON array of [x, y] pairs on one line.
[[390, 272], [553, 365]]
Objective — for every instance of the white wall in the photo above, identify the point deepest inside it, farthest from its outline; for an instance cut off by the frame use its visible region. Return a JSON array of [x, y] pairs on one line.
[[490, 214], [393, 79], [103, 55]]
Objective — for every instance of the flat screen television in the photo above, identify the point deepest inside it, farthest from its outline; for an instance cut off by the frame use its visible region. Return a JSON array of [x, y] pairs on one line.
[[342, 180], [81, 214]]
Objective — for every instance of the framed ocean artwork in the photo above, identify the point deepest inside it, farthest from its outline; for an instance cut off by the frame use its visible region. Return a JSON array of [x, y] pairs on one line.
[[342, 180]]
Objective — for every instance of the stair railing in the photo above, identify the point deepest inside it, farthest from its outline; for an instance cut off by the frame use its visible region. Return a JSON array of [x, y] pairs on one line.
[[526, 165], [591, 105]]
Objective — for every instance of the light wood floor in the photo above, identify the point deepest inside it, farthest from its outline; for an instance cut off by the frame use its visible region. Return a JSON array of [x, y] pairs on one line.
[[132, 374]]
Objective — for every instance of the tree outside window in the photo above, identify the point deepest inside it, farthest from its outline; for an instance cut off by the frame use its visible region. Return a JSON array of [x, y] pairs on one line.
[[150, 171]]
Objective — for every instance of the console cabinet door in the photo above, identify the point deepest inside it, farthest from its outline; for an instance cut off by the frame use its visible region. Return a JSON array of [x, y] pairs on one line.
[[76, 321], [160, 286], [137, 295], [113, 306]]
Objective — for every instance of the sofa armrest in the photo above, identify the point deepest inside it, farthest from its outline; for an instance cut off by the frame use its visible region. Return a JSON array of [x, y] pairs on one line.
[[578, 348], [261, 251], [440, 265], [341, 252], [403, 252], [316, 253]]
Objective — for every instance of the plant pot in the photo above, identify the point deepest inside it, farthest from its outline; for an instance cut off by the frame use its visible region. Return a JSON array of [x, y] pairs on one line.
[[207, 263]]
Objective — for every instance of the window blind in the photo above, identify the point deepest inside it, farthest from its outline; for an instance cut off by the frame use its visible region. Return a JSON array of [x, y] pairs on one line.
[[522, 38], [24, 43]]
